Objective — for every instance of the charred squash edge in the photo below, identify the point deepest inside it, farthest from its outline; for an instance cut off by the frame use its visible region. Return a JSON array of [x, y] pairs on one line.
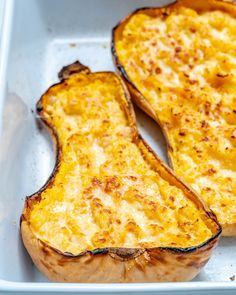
[[227, 229], [118, 254]]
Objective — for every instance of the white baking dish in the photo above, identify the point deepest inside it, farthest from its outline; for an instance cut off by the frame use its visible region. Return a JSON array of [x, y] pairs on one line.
[[37, 38]]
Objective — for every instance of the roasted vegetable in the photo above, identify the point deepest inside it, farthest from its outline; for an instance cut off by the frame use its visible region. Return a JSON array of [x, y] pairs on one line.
[[179, 63], [111, 211]]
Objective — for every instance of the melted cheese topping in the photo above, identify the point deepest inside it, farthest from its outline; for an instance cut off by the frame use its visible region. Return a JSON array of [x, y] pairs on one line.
[[184, 64], [105, 194]]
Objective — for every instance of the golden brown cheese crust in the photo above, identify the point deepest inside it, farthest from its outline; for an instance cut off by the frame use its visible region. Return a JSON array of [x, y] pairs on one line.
[[180, 65], [110, 198]]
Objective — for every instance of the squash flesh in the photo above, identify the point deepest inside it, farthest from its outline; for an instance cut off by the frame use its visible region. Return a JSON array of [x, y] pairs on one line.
[[183, 63], [104, 193]]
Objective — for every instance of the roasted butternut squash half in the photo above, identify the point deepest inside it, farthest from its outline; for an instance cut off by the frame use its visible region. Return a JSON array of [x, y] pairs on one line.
[[179, 63], [111, 211]]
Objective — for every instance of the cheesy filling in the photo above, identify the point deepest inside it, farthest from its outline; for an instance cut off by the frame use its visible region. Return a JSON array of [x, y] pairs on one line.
[[105, 194], [184, 64]]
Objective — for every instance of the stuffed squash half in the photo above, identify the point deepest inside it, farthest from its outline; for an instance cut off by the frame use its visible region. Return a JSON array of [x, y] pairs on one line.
[[179, 63], [111, 211]]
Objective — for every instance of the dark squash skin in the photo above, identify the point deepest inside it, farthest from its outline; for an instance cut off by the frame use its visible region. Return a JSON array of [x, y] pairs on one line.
[[228, 229], [160, 264]]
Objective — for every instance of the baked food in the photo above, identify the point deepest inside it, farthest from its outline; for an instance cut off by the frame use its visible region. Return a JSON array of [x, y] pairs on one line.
[[180, 67], [111, 211]]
